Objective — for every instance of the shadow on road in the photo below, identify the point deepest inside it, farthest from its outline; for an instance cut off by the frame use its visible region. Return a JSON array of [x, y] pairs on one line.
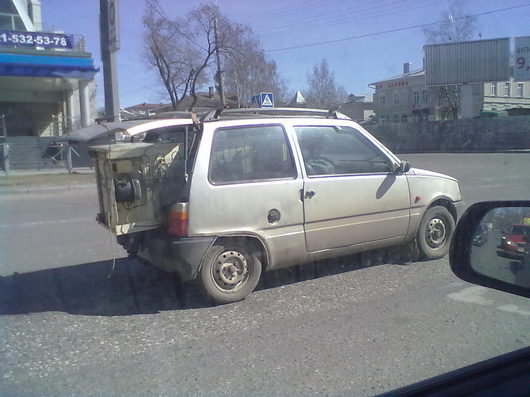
[[133, 288]]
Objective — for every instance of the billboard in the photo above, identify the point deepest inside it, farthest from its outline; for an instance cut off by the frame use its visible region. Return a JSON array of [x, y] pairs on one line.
[[521, 70], [467, 62]]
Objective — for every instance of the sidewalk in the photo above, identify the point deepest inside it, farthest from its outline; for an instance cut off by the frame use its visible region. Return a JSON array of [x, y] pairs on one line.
[[33, 181]]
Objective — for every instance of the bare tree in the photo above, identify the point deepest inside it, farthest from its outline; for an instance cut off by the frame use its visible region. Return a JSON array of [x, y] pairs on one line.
[[182, 50], [323, 91], [457, 25], [167, 52], [449, 99], [249, 72]]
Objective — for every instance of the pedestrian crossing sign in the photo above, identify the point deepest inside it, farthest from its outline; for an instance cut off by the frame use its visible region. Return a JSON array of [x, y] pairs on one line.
[[266, 100]]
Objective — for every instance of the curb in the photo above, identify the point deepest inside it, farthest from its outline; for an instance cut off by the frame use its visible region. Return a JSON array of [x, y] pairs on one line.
[[26, 190]]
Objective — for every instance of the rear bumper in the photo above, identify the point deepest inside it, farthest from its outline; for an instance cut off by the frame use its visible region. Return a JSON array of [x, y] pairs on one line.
[[182, 255]]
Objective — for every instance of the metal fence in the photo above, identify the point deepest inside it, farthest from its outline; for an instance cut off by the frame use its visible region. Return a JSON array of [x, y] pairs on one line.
[[46, 151], [467, 135], [58, 126]]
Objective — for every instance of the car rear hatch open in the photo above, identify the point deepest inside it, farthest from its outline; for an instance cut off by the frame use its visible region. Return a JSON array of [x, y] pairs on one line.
[[136, 183]]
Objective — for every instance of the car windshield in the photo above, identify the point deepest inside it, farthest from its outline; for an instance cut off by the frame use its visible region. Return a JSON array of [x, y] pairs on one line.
[[296, 246]]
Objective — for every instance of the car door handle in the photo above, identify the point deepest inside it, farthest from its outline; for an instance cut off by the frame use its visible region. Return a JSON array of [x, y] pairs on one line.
[[309, 194]]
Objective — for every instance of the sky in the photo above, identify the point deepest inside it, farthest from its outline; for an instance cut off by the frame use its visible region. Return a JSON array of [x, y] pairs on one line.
[[363, 41]]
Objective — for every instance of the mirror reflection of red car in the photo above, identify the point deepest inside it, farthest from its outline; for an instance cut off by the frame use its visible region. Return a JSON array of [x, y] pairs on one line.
[[514, 241]]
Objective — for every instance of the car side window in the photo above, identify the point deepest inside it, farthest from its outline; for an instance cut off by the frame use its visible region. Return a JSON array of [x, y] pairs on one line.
[[333, 150], [251, 153], [169, 134]]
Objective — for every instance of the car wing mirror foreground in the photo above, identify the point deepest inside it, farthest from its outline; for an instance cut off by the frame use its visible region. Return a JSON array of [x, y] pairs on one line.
[[403, 166], [482, 255]]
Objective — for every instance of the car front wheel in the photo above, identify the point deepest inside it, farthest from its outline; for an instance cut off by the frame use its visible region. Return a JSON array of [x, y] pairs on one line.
[[435, 232], [229, 273]]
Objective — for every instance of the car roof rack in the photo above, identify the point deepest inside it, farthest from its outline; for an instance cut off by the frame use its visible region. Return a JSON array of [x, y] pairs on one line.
[[230, 114], [174, 114]]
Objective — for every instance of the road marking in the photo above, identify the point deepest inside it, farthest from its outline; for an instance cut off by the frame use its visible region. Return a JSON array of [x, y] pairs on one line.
[[514, 309], [471, 295], [54, 221], [498, 185], [475, 295]]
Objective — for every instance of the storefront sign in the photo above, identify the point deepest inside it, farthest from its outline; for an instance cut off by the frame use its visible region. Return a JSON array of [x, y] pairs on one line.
[[36, 39]]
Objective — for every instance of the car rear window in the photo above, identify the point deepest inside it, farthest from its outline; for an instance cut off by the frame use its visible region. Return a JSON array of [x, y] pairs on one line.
[[251, 153]]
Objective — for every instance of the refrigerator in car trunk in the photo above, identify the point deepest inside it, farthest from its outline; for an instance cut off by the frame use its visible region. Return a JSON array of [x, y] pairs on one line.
[[136, 184]]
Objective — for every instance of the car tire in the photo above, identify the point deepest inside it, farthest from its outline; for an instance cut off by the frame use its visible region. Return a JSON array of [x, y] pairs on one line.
[[229, 273], [435, 232]]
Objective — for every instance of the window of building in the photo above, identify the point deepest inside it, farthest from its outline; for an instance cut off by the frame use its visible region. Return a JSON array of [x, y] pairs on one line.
[[396, 118], [5, 22], [11, 22], [382, 100], [250, 154], [520, 91], [493, 90], [506, 89], [404, 118], [416, 97], [332, 150], [403, 96], [18, 24], [383, 119], [396, 98], [424, 96]]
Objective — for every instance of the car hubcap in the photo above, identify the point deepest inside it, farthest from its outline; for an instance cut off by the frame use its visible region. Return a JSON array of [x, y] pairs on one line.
[[230, 270], [435, 233]]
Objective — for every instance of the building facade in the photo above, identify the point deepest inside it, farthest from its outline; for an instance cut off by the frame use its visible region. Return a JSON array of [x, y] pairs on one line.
[[47, 83], [406, 98], [358, 107]]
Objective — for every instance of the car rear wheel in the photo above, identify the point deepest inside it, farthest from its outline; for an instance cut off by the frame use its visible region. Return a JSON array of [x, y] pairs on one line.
[[229, 273], [435, 232]]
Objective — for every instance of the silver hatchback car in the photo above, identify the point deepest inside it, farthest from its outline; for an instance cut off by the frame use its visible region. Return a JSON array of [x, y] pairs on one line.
[[247, 192]]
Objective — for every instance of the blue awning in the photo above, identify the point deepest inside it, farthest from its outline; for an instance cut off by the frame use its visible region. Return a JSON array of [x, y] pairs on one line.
[[47, 66]]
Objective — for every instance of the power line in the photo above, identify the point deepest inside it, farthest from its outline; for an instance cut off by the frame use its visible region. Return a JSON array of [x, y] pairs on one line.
[[346, 19], [318, 15], [282, 11], [392, 30]]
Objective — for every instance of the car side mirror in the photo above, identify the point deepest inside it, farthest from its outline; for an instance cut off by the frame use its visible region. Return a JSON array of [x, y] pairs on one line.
[[404, 166], [488, 259]]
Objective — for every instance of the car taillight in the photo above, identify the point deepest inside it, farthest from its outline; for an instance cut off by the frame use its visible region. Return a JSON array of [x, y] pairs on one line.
[[178, 220]]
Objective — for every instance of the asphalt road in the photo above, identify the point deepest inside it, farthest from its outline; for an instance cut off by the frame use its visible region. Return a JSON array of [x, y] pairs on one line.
[[358, 325]]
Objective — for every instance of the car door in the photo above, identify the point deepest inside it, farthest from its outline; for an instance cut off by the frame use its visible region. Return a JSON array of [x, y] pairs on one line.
[[351, 194], [250, 186]]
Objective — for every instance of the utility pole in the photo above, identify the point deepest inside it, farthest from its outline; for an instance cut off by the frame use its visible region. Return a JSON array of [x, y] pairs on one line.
[[109, 44], [219, 71]]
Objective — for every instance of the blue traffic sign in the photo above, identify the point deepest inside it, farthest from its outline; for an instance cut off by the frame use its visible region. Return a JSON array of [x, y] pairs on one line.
[[266, 100]]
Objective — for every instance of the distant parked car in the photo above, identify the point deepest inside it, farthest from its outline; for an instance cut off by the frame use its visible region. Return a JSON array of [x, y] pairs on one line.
[[514, 241]]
